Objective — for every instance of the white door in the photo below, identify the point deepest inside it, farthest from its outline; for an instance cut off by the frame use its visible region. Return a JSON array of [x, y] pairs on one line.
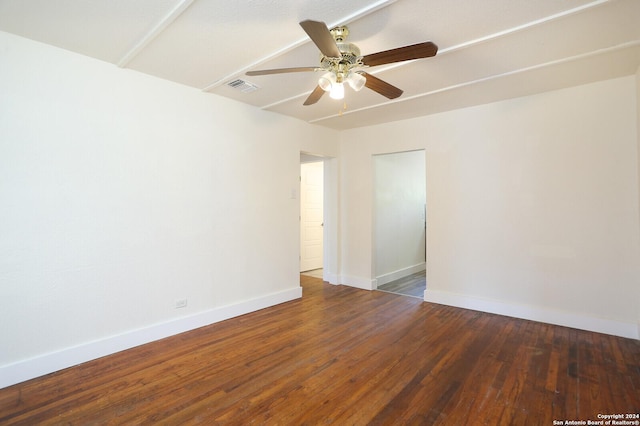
[[311, 219]]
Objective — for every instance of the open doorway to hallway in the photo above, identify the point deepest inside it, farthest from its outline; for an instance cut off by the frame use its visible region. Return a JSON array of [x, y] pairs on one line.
[[399, 257], [328, 229]]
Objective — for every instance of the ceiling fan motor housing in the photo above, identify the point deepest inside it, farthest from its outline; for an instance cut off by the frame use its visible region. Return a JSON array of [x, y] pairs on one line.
[[351, 57]]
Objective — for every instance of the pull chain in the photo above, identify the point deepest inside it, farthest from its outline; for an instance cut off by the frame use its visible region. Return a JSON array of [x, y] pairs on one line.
[[344, 108]]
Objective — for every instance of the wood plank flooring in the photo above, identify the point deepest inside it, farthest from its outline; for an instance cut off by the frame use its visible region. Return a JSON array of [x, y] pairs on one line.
[[347, 357], [412, 285], [317, 273]]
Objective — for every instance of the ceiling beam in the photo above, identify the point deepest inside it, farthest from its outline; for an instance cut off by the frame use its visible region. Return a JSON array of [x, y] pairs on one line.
[[154, 32]]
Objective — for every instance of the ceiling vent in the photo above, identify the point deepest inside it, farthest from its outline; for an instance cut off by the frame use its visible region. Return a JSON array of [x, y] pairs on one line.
[[243, 86]]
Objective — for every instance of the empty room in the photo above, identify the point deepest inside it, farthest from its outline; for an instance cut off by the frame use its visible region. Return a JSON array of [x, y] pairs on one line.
[[155, 266]]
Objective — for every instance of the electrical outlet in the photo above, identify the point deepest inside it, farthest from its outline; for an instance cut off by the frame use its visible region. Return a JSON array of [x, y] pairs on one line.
[[181, 303]]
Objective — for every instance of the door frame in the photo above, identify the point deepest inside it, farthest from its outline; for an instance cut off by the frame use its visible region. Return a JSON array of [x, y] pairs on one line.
[[330, 261], [374, 218], [311, 179]]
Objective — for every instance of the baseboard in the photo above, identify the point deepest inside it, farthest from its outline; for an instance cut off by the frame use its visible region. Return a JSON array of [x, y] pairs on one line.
[[358, 282], [534, 313], [331, 278], [400, 273], [28, 369]]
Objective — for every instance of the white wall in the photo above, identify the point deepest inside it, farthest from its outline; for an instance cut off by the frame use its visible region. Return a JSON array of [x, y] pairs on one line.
[[121, 193], [399, 215], [532, 205]]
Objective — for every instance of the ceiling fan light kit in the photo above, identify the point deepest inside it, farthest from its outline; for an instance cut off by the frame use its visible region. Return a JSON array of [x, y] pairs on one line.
[[342, 63], [327, 81], [356, 81], [334, 83], [337, 91]]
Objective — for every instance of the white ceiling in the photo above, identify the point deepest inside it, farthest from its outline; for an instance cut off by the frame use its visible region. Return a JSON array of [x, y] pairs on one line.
[[488, 50]]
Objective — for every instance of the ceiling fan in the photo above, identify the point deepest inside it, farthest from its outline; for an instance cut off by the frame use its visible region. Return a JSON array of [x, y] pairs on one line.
[[342, 63]]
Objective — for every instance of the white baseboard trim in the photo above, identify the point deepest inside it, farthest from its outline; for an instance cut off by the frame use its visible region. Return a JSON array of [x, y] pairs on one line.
[[358, 282], [331, 278], [48, 363], [535, 313], [400, 273]]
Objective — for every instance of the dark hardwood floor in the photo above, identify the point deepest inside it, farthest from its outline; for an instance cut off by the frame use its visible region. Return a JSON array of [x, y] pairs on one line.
[[347, 357], [412, 285]]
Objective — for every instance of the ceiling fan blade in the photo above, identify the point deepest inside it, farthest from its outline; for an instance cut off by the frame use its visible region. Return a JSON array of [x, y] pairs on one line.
[[381, 86], [314, 96], [320, 35], [406, 53], [282, 70]]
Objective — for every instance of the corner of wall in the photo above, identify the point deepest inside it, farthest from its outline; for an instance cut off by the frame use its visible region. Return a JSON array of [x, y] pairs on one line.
[[358, 282]]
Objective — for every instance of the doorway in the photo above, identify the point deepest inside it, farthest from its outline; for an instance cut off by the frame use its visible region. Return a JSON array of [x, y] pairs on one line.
[[329, 272], [311, 216], [400, 222]]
